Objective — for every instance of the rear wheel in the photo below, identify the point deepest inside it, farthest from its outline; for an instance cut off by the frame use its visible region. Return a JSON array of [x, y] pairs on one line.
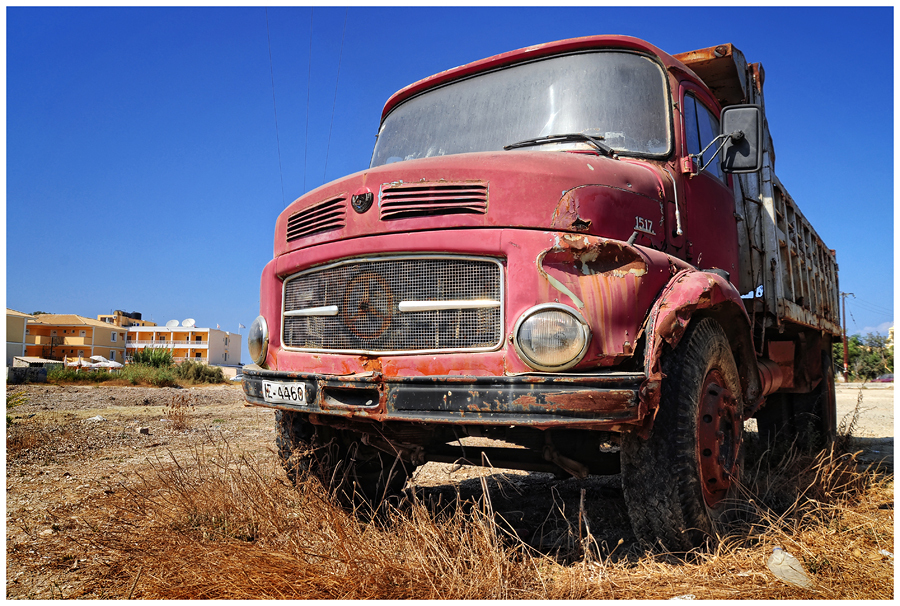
[[354, 472], [807, 419], [681, 482]]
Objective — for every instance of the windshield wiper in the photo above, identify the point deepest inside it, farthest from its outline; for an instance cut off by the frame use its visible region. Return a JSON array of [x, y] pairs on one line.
[[595, 141]]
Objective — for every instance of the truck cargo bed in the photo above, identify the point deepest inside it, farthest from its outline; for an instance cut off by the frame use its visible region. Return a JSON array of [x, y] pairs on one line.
[[788, 274]]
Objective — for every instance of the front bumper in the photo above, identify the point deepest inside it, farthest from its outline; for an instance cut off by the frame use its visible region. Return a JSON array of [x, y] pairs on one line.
[[607, 401]]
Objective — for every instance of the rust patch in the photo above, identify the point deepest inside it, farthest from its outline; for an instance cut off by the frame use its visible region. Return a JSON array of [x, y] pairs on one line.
[[586, 401], [566, 212], [782, 353], [370, 364], [759, 76], [598, 256]]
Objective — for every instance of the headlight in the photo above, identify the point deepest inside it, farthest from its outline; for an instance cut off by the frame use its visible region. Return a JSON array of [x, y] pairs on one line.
[[258, 340], [551, 337]]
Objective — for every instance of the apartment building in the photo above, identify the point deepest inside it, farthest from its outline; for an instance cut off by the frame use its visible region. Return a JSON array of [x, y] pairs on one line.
[[62, 336], [121, 318], [207, 345], [16, 322]]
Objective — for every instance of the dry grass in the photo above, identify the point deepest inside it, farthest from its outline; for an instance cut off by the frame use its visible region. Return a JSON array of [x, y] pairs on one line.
[[223, 525], [177, 410], [50, 430]]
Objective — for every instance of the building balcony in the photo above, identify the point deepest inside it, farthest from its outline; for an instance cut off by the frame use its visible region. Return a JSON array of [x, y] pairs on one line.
[[168, 344], [177, 360]]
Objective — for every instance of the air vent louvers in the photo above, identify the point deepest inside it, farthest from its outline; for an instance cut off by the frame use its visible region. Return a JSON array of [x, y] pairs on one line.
[[317, 218], [405, 201]]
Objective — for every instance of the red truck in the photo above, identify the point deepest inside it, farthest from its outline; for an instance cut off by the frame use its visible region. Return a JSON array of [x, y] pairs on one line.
[[579, 249]]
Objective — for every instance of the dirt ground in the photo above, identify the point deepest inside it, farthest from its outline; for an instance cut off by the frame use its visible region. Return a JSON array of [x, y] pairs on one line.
[[69, 445]]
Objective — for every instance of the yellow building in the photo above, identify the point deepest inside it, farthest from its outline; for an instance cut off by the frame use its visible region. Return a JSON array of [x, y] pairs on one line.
[[16, 323], [121, 318], [69, 336], [207, 345]]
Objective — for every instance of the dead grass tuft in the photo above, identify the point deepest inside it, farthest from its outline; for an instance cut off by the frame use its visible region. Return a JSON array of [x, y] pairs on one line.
[[177, 409], [20, 439], [40, 439]]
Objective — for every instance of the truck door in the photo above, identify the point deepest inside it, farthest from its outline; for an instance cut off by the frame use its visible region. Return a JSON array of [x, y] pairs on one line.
[[709, 225]]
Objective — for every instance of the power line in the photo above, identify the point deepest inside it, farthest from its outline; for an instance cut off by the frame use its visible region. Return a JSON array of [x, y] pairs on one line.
[[334, 103], [872, 307], [308, 85], [275, 108]]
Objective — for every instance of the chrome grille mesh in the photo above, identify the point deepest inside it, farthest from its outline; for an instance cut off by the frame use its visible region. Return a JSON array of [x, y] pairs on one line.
[[355, 306]]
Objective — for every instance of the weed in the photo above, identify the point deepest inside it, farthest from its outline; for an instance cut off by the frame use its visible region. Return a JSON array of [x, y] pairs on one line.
[[848, 424], [177, 409], [14, 399]]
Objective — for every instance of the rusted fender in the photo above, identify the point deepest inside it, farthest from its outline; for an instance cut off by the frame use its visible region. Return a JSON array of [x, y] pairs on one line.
[[688, 293]]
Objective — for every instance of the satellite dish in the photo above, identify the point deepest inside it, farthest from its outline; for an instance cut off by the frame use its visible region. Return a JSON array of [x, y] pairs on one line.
[[189, 323], [171, 323]]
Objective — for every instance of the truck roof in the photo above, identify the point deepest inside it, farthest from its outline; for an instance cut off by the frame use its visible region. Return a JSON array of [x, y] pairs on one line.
[[529, 53]]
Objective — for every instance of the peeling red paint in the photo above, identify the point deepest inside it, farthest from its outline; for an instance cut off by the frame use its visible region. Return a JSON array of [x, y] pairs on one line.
[[610, 282]]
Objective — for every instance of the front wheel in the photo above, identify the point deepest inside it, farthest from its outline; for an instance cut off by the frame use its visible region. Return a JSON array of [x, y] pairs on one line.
[[352, 471], [680, 482]]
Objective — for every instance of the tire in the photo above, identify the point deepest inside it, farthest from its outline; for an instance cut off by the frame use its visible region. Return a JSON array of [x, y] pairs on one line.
[[355, 473], [807, 419], [681, 482]]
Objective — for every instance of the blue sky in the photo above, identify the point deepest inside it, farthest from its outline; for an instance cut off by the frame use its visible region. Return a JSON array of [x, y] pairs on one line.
[[143, 171]]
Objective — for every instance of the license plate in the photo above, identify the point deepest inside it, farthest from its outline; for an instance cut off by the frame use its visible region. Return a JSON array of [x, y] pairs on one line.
[[284, 393]]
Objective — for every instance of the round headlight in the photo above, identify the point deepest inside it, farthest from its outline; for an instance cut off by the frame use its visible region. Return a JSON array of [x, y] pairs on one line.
[[258, 340], [551, 337]]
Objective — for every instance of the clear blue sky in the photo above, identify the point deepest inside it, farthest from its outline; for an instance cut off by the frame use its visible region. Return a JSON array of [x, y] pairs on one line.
[[143, 168]]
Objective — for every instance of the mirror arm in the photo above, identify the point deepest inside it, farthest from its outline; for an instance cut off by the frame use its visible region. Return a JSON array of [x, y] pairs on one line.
[[736, 135]]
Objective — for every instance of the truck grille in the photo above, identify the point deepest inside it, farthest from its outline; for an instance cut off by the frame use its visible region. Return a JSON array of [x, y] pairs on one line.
[[408, 200], [396, 305], [323, 216]]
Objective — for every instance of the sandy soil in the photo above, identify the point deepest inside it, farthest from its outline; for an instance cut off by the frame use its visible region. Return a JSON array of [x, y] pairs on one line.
[[874, 431], [70, 445]]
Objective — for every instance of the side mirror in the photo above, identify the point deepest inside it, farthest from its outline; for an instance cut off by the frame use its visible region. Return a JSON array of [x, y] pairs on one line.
[[742, 153]]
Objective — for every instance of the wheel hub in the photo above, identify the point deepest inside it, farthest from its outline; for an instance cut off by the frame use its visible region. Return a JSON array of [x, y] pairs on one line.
[[719, 427]]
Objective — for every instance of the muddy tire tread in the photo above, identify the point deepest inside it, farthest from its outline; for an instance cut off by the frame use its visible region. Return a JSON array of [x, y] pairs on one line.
[[660, 480]]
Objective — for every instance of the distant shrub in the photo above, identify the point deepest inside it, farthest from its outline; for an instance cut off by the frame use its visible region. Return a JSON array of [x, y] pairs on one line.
[[198, 372], [137, 374], [163, 378], [150, 366], [157, 358], [64, 374]]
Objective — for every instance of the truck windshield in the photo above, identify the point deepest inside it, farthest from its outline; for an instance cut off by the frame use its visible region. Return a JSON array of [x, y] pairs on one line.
[[617, 97]]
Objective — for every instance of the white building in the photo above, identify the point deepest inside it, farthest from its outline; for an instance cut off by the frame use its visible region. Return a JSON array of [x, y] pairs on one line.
[[187, 342]]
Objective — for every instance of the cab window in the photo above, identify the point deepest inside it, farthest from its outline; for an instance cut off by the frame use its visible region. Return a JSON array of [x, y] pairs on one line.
[[700, 127]]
